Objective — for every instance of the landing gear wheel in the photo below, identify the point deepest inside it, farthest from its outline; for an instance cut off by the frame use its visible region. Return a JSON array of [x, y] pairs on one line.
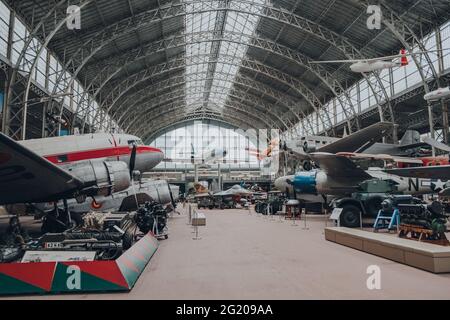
[[350, 216]]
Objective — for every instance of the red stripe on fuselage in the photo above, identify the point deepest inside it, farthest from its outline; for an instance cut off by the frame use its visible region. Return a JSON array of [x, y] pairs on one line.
[[98, 153]]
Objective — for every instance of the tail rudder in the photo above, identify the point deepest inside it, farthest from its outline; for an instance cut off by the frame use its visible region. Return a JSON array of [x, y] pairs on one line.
[[404, 58]]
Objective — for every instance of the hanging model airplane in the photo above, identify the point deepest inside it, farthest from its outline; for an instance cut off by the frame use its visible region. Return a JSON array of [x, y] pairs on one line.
[[438, 94], [212, 155], [362, 141], [272, 149], [377, 64], [56, 168]]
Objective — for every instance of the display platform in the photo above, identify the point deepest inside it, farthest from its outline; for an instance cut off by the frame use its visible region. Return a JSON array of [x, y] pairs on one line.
[[426, 256], [78, 276]]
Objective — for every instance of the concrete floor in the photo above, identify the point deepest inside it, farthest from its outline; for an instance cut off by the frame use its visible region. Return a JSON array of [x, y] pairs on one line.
[[242, 256]]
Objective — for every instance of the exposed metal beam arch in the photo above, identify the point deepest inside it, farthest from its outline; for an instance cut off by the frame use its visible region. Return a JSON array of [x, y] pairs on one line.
[[177, 94], [265, 44], [34, 44], [288, 104], [173, 113], [166, 84], [173, 89], [152, 133], [249, 64], [126, 25]]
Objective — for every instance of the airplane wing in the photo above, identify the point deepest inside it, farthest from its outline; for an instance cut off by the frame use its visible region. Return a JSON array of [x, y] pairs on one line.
[[435, 172], [360, 140], [379, 58], [436, 144], [385, 157], [27, 177], [339, 166]]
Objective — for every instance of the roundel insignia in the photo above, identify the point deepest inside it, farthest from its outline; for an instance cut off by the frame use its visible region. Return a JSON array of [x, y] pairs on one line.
[[96, 205]]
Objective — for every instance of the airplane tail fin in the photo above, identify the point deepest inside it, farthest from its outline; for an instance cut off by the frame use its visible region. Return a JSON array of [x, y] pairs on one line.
[[404, 59], [410, 137]]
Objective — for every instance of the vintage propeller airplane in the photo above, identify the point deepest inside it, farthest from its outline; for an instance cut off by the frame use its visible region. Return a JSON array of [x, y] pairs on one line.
[[377, 64], [66, 167]]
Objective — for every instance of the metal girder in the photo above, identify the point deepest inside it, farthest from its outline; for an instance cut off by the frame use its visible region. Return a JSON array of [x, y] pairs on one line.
[[153, 132], [219, 29], [94, 42], [249, 99], [409, 39], [17, 105], [403, 32], [264, 44], [244, 5], [180, 63], [332, 83], [166, 84], [173, 114], [241, 80], [174, 90]]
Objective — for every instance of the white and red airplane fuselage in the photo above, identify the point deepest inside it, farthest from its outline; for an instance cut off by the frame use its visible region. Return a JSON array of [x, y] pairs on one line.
[[66, 150]]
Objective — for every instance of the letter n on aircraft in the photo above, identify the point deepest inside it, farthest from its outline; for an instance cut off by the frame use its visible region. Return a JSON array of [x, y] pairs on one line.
[[413, 184]]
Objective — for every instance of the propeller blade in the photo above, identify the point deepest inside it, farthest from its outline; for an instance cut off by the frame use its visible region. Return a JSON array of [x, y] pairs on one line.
[[132, 160]]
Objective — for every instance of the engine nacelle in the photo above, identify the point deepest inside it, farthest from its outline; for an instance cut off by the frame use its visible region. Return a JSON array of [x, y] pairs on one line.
[[102, 177], [309, 147]]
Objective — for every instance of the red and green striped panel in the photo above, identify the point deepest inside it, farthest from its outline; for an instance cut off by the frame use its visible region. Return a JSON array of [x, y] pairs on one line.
[[82, 276], [22, 278], [134, 260], [88, 276]]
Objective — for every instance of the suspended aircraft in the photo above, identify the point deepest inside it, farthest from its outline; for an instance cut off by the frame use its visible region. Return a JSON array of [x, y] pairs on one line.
[[377, 64], [438, 94], [272, 149], [362, 141], [210, 155]]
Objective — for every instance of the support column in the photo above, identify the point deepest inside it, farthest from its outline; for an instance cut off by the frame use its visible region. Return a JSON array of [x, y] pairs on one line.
[[6, 97], [219, 177], [195, 172], [444, 105]]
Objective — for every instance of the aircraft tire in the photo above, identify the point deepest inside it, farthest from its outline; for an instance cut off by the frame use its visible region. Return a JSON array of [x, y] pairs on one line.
[[350, 216]]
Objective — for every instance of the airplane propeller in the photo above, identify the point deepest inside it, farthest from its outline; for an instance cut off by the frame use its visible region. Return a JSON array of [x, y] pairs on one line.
[[132, 164]]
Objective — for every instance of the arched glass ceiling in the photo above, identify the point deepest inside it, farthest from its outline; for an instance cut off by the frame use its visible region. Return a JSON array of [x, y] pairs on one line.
[[213, 80]]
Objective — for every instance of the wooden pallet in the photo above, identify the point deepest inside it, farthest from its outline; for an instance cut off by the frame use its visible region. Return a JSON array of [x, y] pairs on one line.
[[416, 233]]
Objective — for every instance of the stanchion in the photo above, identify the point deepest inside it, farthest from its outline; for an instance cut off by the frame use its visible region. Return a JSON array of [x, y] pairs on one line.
[[294, 218], [189, 214], [304, 226], [272, 216], [196, 227], [266, 216]]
